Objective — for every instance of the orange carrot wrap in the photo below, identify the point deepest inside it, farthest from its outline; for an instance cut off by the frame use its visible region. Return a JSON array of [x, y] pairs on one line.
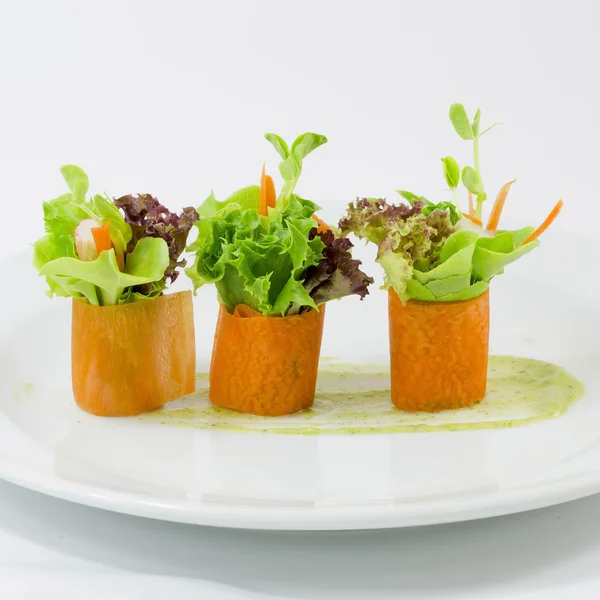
[[132, 358], [439, 352], [265, 365]]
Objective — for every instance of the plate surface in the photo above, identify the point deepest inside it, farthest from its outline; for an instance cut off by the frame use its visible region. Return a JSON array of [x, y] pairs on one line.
[[542, 308]]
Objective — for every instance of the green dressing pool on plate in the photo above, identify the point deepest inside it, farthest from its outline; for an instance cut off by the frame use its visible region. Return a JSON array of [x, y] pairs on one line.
[[355, 399]]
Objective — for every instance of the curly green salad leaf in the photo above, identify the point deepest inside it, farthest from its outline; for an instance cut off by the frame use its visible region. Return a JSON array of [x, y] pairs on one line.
[[134, 268], [276, 264], [425, 253]]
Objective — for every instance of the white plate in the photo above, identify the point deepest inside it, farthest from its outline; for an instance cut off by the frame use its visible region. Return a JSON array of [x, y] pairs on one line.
[[545, 307]]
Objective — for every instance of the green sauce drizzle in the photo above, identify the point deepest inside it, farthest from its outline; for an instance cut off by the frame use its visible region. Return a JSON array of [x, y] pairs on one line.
[[355, 399]]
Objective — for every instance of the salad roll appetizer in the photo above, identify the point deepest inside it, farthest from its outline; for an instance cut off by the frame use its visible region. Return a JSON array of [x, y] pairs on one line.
[[438, 264], [133, 346], [275, 265]]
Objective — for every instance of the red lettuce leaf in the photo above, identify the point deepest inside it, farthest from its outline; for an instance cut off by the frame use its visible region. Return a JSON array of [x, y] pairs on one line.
[[337, 274], [149, 218]]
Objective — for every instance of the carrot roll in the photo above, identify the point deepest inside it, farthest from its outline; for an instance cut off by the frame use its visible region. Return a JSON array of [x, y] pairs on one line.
[[132, 345], [265, 365], [133, 358], [439, 263], [275, 264], [438, 352]]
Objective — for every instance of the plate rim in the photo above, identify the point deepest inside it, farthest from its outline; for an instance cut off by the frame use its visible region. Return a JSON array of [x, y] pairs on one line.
[[323, 517]]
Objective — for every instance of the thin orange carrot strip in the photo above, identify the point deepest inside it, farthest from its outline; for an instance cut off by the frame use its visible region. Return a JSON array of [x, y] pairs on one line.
[[263, 206], [129, 359], [281, 377], [494, 219], [101, 237], [322, 226], [270, 192], [471, 207], [243, 311], [438, 352], [120, 261], [473, 219], [547, 222]]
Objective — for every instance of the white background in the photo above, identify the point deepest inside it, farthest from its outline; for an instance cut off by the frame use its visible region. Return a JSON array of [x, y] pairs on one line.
[[173, 98]]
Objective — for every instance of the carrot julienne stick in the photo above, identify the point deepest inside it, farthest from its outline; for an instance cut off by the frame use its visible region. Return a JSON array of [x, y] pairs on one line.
[[268, 197], [471, 206], [473, 219], [101, 237], [132, 358], [322, 226], [547, 222], [271, 194], [262, 206], [280, 377], [439, 353], [496, 212]]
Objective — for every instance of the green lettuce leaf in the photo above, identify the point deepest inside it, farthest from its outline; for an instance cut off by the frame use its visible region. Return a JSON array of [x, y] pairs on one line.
[[493, 254], [398, 271], [146, 264], [409, 238], [467, 264], [422, 254], [248, 197], [77, 181], [254, 260], [99, 282], [279, 263], [120, 230]]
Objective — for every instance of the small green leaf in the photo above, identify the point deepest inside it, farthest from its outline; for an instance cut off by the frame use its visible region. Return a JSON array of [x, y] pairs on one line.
[[412, 198], [279, 144], [451, 172], [460, 121], [307, 142], [77, 181], [210, 207], [471, 181], [289, 168], [475, 123]]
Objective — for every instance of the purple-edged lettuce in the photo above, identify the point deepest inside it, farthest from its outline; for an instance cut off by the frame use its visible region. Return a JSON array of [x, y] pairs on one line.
[[337, 274], [147, 217], [278, 264], [432, 252], [425, 253]]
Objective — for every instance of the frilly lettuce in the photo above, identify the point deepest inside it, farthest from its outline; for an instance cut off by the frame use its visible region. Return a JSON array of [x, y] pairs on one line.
[[257, 260], [276, 264], [100, 282], [337, 274], [428, 257]]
